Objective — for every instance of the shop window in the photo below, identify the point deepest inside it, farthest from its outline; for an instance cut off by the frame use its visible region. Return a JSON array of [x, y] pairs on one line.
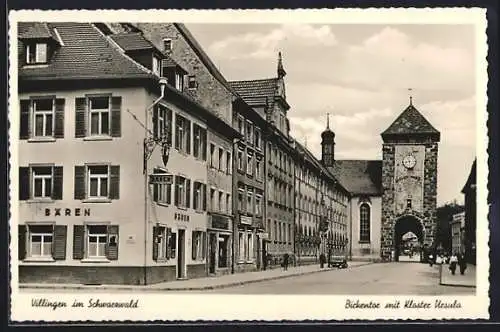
[[104, 116], [198, 241], [223, 251], [95, 242]]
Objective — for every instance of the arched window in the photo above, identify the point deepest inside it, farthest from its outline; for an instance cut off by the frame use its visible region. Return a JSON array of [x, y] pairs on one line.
[[364, 223]]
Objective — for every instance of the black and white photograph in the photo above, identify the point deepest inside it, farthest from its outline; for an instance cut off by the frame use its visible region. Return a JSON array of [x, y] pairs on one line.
[[235, 162]]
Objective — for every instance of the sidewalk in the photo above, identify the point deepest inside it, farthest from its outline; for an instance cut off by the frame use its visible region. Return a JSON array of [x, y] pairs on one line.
[[458, 280], [200, 283]]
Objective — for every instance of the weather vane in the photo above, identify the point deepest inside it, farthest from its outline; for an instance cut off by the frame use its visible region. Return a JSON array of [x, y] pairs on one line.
[[411, 98]]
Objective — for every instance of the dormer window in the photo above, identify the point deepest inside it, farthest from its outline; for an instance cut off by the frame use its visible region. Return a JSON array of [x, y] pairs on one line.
[[191, 82], [36, 53], [156, 66], [167, 44]]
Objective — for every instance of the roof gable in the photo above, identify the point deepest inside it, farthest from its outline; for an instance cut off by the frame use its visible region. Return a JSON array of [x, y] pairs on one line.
[[471, 179], [86, 54], [359, 177], [411, 121], [34, 30]]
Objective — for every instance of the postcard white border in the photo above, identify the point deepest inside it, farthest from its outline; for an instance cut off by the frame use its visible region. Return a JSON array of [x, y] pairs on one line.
[[169, 306]]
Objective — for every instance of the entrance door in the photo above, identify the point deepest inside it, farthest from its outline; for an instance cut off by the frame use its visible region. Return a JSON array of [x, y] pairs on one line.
[[180, 255], [213, 252], [264, 254]]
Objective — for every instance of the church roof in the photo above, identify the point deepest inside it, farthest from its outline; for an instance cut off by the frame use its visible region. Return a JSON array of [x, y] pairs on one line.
[[411, 121], [359, 177]]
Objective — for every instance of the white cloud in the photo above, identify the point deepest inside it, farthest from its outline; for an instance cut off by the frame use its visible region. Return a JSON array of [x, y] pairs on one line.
[[265, 45]]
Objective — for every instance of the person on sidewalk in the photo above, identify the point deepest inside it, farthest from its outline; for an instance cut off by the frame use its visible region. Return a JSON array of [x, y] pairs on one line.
[[462, 263], [453, 263], [431, 260], [322, 260], [285, 261]]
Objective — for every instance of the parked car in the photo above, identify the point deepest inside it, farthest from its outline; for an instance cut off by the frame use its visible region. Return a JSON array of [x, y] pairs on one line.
[[339, 261]]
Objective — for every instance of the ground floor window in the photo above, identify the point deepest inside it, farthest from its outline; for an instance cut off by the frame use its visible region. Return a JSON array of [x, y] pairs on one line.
[[162, 243], [198, 241], [96, 241], [42, 242], [223, 251], [246, 245]]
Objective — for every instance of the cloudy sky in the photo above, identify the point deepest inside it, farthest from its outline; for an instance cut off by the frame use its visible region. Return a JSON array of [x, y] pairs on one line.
[[360, 74]]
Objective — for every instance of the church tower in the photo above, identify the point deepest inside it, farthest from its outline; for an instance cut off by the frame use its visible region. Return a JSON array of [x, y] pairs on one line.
[[328, 145], [409, 181]]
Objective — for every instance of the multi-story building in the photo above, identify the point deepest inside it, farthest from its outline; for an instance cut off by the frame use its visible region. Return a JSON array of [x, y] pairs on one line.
[[457, 226], [267, 97], [248, 188], [112, 160], [469, 191], [321, 206]]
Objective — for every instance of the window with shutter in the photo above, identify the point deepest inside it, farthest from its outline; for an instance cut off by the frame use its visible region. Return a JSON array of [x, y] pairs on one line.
[[24, 183], [59, 122], [40, 241], [112, 242], [114, 190], [116, 123], [25, 121], [57, 192], [21, 241], [80, 117], [78, 241], [43, 117], [59, 245]]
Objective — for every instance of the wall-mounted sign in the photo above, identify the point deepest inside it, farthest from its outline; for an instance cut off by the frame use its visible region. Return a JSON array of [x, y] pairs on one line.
[[181, 216], [220, 222], [246, 220], [60, 212]]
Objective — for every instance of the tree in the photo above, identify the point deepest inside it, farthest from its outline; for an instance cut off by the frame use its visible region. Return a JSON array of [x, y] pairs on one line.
[[444, 215]]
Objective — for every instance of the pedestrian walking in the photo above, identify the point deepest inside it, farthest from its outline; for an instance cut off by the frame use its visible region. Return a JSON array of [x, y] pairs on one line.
[[322, 260], [431, 260], [462, 263], [285, 261], [453, 263]]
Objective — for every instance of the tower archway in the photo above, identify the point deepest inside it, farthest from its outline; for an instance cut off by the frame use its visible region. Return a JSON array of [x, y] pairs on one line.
[[409, 236]]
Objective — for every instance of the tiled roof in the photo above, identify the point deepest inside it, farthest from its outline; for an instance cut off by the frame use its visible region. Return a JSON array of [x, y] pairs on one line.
[[86, 54], [359, 177], [411, 121], [132, 41], [33, 30], [471, 180], [203, 56], [257, 92]]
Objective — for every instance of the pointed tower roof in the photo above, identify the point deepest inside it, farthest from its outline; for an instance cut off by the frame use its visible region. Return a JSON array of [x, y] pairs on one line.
[[281, 70], [327, 133], [411, 123]]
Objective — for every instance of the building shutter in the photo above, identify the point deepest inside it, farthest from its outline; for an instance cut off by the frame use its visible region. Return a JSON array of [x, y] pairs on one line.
[[116, 118], [188, 193], [204, 246], [176, 191], [24, 129], [80, 117], [80, 182], [156, 188], [24, 183], [193, 245], [204, 145], [204, 196], [21, 241], [169, 240], [156, 230], [188, 136], [78, 241], [59, 243], [112, 244], [57, 192], [114, 189], [59, 120]]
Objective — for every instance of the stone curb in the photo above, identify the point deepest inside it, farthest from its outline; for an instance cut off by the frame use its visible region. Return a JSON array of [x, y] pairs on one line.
[[457, 285], [149, 289]]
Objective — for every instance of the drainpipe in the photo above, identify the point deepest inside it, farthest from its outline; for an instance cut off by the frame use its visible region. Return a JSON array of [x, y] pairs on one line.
[[163, 84], [234, 201]]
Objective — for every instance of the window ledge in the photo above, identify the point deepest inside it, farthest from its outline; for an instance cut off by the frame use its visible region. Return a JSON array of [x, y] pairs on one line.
[[40, 200], [38, 259], [364, 242], [98, 138], [97, 200], [183, 208], [41, 139], [95, 260], [162, 204]]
